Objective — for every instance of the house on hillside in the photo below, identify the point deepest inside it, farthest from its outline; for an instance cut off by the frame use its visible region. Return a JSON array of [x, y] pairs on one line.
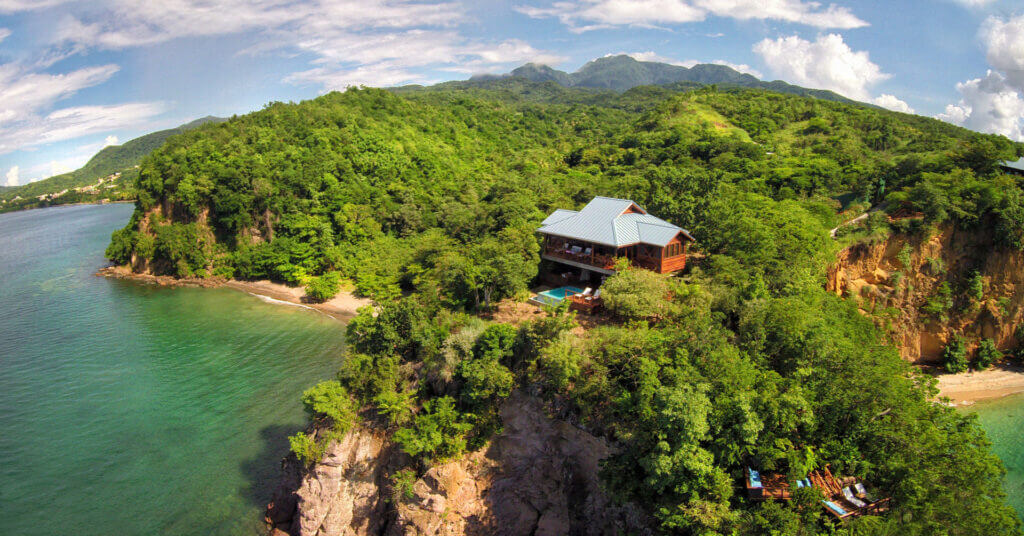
[[582, 246], [1014, 168]]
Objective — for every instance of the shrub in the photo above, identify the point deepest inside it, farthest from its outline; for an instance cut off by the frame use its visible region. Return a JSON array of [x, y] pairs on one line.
[[495, 343], [484, 382], [324, 287], [975, 287], [559, 364], [403, 485], [437, 433], [329, 399], [954, 356], [936, 266], [987, 354], [1005, 305], [306, 448], [938, 305], [637, 294], [122, 243], [396, 405], [904, 256]]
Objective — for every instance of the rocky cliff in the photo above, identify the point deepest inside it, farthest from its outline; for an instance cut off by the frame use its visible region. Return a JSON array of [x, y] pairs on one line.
[[894, 280], [539, 477]]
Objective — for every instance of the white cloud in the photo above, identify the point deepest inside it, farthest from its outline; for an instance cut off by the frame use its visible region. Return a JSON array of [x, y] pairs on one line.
[[995, 103], [584, 15], [650, 55], [886, 100], [12, 6], [28, 98], [23, 92], [371, 42], [70, 123], [988, 104], [12, 177], [60, 168], [1004, 40], [110, 140], [974, 3], [4, 33], [826, 63], [798, 11]]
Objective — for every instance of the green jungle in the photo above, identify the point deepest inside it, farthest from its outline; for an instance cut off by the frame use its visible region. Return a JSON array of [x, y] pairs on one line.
[[427, 201]]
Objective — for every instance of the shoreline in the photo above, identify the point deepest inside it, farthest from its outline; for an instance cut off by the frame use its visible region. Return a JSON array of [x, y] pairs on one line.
[[342, 307], [79, 204], [967, 388]]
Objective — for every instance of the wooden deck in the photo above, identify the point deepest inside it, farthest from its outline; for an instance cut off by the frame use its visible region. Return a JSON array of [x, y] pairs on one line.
[[776, 487], [586, 304]]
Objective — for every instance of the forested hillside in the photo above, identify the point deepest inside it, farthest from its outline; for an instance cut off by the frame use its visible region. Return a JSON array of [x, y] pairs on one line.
[[428, 199], [112, 159]]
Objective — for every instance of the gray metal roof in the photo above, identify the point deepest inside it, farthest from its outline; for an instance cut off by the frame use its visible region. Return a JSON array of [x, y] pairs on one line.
[[1018, 164], [602, 222]]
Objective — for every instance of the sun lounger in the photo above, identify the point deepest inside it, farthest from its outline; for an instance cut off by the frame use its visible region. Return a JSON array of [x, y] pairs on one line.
[[587, 251], [576, 250], [586, 292], [755, 478], [848, 494], [836, 509], [596, 294], [862, 493]]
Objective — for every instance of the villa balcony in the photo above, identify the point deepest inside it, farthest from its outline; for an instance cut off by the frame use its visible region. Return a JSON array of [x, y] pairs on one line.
[[600, 260]]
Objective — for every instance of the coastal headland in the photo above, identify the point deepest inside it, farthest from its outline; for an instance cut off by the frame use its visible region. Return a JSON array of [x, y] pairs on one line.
[[342, 306]]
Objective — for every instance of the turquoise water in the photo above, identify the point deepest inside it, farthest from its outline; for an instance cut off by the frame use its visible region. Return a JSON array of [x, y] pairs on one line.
[[136, 410], [1003, 420], [556, 295]]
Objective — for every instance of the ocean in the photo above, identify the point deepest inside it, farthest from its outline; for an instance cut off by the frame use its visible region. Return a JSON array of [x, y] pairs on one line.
[[1003, 420], [137, 410]]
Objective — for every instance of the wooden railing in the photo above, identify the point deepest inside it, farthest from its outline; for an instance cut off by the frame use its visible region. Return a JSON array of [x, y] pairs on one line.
[[606, 262]]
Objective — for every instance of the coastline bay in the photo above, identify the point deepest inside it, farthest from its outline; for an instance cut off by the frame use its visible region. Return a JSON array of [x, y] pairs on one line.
[[1002, 419], [137, 409]]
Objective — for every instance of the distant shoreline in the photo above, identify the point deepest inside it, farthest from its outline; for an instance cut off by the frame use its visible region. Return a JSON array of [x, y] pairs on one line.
[[97, 203], [341, 307], [967, 388]]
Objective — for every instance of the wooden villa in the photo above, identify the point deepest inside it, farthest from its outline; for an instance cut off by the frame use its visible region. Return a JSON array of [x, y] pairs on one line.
[[589, 241], [1013, 168]]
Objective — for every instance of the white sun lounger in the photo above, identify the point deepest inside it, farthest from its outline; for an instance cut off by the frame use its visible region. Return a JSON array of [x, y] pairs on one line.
[[848, 494]]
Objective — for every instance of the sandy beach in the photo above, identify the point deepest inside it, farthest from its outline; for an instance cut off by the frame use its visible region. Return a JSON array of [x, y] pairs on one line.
[[970, 387], [342, 307]]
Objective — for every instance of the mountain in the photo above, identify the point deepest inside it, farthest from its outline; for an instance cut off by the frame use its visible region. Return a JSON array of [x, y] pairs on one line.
[[622, 72], [108, 161]]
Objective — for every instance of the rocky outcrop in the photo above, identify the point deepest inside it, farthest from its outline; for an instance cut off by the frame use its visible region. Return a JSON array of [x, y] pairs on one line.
[[893, 280], [539, 477]]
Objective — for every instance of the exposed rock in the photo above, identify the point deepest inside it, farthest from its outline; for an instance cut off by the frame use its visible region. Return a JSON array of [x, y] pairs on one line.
[[868, 273], [538, 477]]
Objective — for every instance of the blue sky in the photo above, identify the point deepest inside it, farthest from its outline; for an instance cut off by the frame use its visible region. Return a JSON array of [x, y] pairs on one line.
[[78, 75]]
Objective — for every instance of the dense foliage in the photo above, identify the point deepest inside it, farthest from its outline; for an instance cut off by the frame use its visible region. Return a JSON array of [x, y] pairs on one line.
[[427, 199]]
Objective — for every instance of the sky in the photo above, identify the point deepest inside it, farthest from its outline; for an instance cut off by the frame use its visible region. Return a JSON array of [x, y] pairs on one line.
[[76, 76]]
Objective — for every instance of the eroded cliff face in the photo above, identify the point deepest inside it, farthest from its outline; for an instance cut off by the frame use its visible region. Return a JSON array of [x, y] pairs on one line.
[[893, 280], [539, 477]]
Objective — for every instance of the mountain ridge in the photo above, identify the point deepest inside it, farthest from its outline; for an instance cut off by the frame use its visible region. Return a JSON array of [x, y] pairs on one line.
[[622, 72]]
